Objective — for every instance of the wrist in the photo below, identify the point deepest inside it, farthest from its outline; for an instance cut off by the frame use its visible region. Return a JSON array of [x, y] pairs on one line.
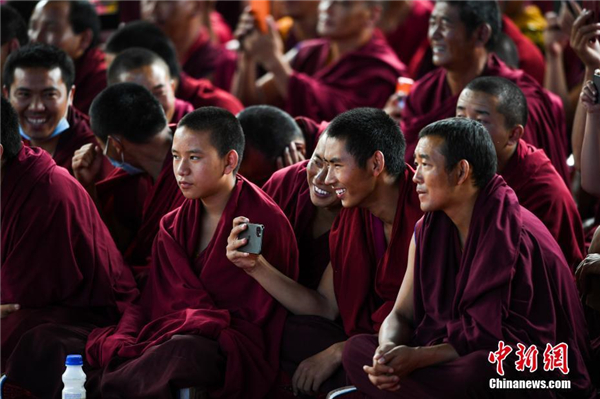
[[337, 350]]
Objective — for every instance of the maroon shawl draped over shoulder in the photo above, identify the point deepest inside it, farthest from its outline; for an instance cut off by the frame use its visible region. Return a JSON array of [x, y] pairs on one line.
[[365, 77], [367, 276], [511, 283], [289, 189], [311, 131], [182, 108], [202, 93], [209, 296], [90, 78], [56, 251], [539, 189], [431, 100]]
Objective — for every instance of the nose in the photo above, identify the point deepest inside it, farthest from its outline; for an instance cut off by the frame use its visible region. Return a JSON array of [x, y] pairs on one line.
[[182, 168], [330, 178], [434, 31], [325, 6], [322, 174], [36, 104], [34, 34], [417, 178]]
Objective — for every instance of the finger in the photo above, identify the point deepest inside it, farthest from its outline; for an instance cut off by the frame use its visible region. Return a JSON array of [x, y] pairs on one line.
[[308, 380], [287, 157], [279, 163], [297, 379], [293, 153], [240, 220]]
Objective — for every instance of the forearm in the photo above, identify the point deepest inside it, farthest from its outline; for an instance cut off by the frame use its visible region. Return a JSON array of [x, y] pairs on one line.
[[396, 329], [555, 80], [590, 161], [293, 296], [282, 71], [431, 355], [244, 81], [579, 125]]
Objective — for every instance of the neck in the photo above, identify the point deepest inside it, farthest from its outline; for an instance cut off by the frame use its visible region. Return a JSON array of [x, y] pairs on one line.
[[215, 204], [458, 78], [305, 28], [48, 145], [383, 201], [461, 214], [328, 214], [153, 160], [505, 158], [339, 47], [183, 43]]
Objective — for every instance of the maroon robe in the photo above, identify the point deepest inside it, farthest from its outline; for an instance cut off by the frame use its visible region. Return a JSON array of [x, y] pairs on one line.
[[431, 100], [59, 261], [77, 135], [90, 78], [311, 131], [202, 93], [510, 283], [541, 191], [139, 204], [182, 108], [365, 77], [367, 274], [289, 189], [206, 295], [210, 61]]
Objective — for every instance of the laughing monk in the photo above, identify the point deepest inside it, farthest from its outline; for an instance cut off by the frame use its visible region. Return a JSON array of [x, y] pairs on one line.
[[482, 272], [201, 322], [368, 245]]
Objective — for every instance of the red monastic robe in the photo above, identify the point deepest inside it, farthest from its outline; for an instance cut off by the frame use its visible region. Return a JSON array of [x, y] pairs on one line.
[[90, 78], [365, 77], [205, 294], [202, 93], [182, 108]]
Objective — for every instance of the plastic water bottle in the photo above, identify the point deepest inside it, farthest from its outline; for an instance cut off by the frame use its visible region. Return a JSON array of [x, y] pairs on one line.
[[74, 378]]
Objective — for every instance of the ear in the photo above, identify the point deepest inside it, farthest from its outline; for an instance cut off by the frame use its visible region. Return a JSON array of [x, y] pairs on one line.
[[13, 45], [376, 164], [231, 161], [463, 171], [515, 135], [301, 146], [1, 152], [173, 85], [71, 95], [483, 34], [5, 91], [86, 38]]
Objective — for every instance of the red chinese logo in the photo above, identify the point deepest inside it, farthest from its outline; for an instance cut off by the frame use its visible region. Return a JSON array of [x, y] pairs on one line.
[[499, 356], [527, 358], [556, 357]]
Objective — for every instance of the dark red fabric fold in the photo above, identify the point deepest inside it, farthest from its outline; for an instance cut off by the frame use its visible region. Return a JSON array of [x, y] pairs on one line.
[[431, 100], [90, 78], [209, 296], [202, 93], [539, 189], [365, 77], [367, 275], [182, 108], [311, 130], [511, 283]]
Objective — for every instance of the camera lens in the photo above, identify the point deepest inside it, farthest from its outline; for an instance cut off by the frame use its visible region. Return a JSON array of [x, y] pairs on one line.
[[258, 231]]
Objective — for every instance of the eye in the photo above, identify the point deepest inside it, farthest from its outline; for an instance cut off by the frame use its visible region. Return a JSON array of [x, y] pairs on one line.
[[195, 158], [176, 157]]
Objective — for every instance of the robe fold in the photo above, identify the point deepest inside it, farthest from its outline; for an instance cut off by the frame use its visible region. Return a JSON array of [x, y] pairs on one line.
[[182, 108], [202, 93], [431, 100], [365, 77], [59, 261], [205, 294], [311, 131], [289, 189], [541, 191], [90, 78], [367, 275]]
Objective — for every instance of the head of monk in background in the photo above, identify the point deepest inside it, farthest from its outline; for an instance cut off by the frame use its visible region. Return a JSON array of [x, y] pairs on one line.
[[130, 126], [463, 32], [73, 26], [208, 148], [321, 194], [141, 66], [348, 20], [38, 81], [14, 33], [454, 159], [301, 9], [10, 140], [268, 131], [501, 107], [363, 146]]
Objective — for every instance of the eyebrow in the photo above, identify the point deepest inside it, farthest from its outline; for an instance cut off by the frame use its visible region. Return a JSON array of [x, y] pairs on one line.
[[334, 160], [423, 156], [192, 151]]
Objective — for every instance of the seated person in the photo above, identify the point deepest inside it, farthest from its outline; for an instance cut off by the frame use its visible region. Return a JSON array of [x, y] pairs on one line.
[[482, 272], [462, 35], [502, 108], [14, 33], [141, 66], [38, 81], [269, 132], [198, 92], [74, 27], [62, 274], [349, 67], [201, 322], [299, 23], [364, 155], [133, 133], [311, 207], [187, 24]]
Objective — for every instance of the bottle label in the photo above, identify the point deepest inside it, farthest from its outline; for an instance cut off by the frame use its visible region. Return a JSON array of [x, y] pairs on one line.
[[73, 395]]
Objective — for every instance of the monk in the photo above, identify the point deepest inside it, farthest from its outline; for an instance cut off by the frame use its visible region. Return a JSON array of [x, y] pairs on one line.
[[187, 23], [368, 245], [299, 23], [141, 66], [590, 148], [198, 92], [38, 81], [482, 272], [201, 322], [74, 27], [133, 133], [461, 35], [311, 207], [14, 33], [62, 275], [271, 135], [502, 108], [349, 67]]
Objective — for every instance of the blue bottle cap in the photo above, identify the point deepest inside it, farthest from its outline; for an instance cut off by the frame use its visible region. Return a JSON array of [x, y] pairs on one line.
[[74, 360]]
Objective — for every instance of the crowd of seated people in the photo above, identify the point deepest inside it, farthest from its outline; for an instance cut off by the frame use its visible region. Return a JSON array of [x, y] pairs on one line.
[[358, 199]]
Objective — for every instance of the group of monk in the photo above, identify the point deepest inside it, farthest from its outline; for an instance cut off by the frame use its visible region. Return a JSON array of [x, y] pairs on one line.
[[439, 242]]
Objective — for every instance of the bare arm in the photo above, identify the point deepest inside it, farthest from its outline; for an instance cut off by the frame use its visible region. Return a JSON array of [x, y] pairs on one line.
[[590, 151]]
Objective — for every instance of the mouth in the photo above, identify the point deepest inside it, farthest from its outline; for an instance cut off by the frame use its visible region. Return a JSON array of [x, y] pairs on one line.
[[36, 121], [184, 185], [340, 192], [320, 192], [438, 49]]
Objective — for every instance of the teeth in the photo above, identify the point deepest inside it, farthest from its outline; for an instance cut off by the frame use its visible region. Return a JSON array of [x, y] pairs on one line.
[[340, 191], [319, 191], [36, 121]]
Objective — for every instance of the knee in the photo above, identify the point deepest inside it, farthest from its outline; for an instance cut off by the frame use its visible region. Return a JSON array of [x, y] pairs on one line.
[[358, 351]]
